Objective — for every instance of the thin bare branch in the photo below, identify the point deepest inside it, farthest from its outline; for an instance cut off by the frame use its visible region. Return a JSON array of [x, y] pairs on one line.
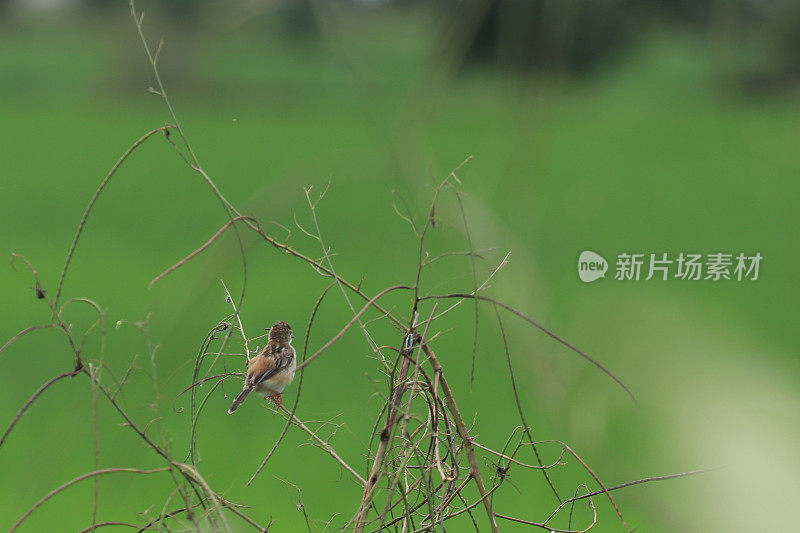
[[24, 332], [200, 250], [539, 327], [100, 188], [32, 399], [525, 426], [105, 524], [325, 445], [353, 320], [77, 480], [474, 468], [628, 484]]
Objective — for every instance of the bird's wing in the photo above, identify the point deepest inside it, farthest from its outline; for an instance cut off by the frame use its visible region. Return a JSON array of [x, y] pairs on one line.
[[283, 357], [269, 363], [260, 368]]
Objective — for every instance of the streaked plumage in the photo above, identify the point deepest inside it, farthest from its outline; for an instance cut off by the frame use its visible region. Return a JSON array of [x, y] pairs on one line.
[[272, 370]]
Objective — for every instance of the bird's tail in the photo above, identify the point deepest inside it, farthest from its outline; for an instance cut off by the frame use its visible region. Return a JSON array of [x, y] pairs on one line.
[[242, 396]]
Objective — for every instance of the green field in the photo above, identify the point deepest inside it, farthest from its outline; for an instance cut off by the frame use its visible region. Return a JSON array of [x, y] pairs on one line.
[[649, 155]]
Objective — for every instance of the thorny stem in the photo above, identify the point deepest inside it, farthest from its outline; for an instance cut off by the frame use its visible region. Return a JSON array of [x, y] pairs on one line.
[[327, 258], [238, 319], [525, 426], [253, 224], [355, 318], [76, 480], [383, 443], [27, 404], [474, 468], [540, 328], [325, 445], [100, 188], [404, 430]]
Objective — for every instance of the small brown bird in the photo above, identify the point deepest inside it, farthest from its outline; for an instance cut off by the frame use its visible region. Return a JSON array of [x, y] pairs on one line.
[[272, 370]]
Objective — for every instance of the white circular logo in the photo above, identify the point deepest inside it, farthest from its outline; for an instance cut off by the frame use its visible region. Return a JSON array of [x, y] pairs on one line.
[[591, 266]]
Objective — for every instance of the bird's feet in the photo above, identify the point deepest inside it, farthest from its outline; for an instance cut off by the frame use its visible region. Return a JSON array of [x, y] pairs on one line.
[[277, 398]]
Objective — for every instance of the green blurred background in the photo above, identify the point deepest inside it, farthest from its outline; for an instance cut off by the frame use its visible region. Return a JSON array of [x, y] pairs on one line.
[[637, 126]]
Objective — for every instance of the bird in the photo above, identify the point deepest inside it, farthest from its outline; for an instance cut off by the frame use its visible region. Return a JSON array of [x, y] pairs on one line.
[[272, 370]]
